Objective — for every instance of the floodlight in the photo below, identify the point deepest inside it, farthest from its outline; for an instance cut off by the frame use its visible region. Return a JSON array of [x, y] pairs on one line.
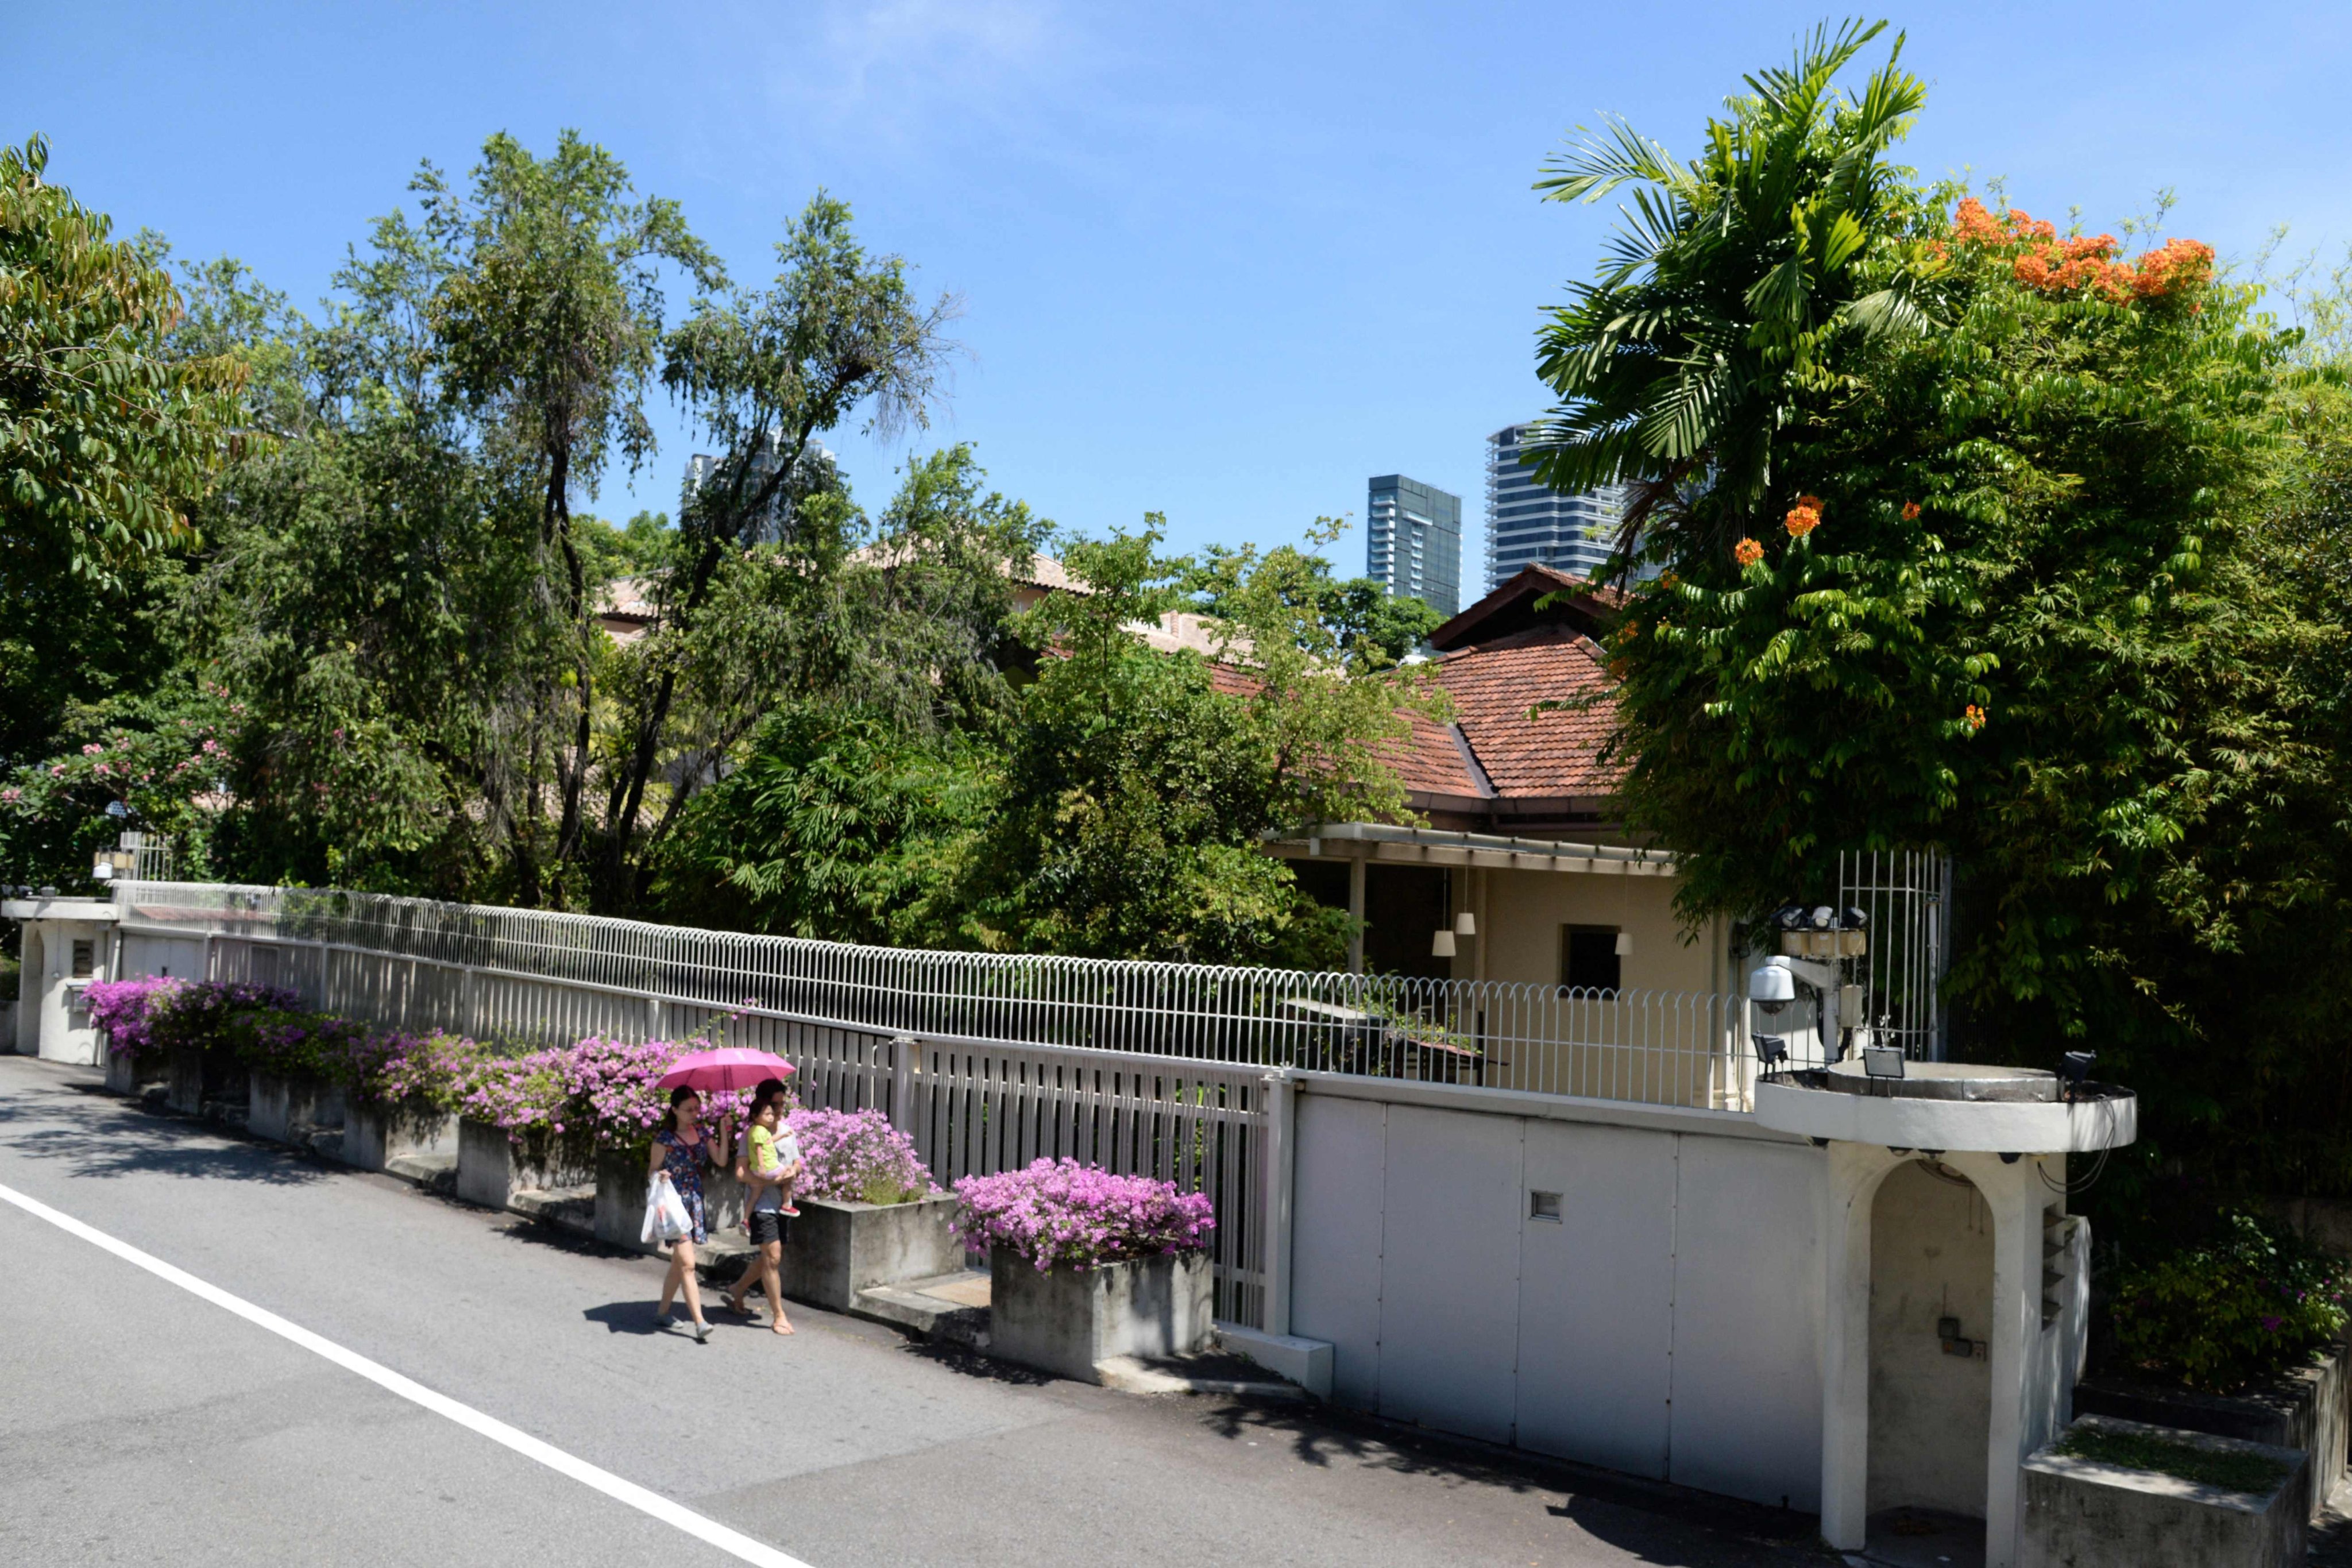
[[1789, 917], [1771, 1052], [1881, 1061], [1854, 919], [2073, 1067], [1824, 917], [1771, 988]]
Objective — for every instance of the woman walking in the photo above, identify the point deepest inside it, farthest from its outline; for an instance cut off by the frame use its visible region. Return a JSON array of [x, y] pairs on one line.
[[764, 1215], [681, 1148]]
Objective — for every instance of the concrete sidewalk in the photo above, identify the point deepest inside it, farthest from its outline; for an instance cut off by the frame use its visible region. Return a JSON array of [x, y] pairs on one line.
[[138, 1422]]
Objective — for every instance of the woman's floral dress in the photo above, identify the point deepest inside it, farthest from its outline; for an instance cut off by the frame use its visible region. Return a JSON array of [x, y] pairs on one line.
[[683, 1165]]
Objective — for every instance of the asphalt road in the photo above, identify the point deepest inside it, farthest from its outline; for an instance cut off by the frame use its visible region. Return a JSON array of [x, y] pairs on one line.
[[142, 1423]]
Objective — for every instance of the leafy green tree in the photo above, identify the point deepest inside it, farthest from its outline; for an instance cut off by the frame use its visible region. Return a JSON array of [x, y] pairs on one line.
[[1990, 563], [549, 322], [837, 822], [112, 430], [1139, 786], [1733, 279], [1358, 616], [763, 376], [105, 435]]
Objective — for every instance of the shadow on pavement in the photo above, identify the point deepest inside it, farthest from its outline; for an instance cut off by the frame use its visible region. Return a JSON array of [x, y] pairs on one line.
[[1625, 1510], [104, 1137], [627, 1318]]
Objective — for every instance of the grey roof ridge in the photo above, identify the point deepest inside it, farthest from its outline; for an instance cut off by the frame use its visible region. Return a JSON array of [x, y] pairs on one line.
[[1477, 771]]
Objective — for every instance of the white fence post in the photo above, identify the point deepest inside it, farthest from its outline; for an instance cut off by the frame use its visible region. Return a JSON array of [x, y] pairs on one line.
[[903, 1050], [1281, 1141]]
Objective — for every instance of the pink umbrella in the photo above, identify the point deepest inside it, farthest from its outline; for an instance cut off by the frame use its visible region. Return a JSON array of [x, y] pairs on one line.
[[729, 1067]]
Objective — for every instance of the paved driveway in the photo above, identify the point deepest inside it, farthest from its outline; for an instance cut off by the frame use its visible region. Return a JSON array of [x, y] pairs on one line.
[[141, 1421]]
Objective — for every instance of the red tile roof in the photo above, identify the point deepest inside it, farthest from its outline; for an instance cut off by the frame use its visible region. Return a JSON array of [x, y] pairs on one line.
[[1546, 755]]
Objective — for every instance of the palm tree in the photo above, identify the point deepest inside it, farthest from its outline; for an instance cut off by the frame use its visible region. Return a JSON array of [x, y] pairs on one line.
[[1706, 329]]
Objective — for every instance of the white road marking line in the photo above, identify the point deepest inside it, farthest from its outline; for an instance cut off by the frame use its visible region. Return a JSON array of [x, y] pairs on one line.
[[734, 1542]]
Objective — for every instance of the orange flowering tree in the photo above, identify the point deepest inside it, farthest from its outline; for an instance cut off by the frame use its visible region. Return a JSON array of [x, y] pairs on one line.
[[1991, 575]]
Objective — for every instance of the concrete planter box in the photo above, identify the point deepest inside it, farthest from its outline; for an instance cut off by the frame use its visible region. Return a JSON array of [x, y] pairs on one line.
[[193, 1075], [131, 1075], [2081, 1513], [2306, 1409], [289, 1110], [375, 1136], [840, 1248], [492, 1171], [621, 1199], [1064, 1320]]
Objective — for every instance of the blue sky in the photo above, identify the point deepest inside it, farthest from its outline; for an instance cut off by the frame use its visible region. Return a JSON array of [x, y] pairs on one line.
[[1220, 261]]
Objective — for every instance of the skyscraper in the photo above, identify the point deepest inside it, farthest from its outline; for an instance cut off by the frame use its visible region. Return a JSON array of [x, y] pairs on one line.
[[1528, 522], [1413, 541]]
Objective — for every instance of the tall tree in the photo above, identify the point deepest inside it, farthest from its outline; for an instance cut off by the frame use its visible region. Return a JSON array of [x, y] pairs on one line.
[[111, 433], [1732, 278], [550, 319], [763, 375], [2000, 572]]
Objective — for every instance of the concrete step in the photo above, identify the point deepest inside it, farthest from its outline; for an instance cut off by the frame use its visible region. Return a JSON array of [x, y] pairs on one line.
[[436, 1172], [949, 1308]]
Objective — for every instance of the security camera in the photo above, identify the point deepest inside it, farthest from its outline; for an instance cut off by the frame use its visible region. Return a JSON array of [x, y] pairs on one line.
[[1771, 988]]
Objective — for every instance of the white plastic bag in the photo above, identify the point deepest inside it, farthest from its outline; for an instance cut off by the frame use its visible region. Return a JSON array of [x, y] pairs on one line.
[[666, 1215]]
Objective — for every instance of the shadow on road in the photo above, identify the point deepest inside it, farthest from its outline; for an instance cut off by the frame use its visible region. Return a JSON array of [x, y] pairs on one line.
[[625, 1317], [105, 1137], [1662, 1522]]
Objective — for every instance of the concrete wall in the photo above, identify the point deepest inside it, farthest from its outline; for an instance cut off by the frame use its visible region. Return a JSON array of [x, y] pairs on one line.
[[1666, 1323], [1931, 1256]]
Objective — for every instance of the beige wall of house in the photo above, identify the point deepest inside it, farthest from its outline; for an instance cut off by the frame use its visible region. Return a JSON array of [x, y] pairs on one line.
[[1521, 915]]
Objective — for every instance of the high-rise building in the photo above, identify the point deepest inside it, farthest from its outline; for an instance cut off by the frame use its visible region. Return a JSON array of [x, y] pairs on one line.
[[810, 474], [1529, 524], [1413, 541]]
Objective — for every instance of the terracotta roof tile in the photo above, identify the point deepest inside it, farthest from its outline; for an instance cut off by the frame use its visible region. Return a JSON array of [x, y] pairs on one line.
[[1551, 754]]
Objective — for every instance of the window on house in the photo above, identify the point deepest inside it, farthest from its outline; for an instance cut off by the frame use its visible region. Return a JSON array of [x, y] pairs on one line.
[[85, 959], [1588, 958]]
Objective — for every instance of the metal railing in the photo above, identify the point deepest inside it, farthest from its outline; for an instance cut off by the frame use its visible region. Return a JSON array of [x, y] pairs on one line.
[[540, 976], [1905, 896]]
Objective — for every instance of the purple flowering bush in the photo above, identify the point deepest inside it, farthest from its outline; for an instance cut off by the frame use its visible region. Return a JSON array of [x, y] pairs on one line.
[[1058, 1211], [614, 1088], [2245, 1303], [207, 1015], [121, 1011], [418, 1075], [856, 1156], [294, 1044], [525, 1097]]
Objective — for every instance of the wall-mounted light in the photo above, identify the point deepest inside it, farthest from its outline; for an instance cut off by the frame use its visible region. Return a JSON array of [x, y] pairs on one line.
[[1466, 924], [1442, 945]]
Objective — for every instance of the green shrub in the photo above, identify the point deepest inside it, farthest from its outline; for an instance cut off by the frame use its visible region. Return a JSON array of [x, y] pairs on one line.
[[2247, 1303]]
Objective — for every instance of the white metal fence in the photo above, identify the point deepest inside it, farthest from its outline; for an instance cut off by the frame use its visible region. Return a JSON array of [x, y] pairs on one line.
[[532, 976], [988, 1060]]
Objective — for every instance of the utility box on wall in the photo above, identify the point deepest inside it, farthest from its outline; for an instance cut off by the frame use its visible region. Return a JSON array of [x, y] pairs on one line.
[[66, 944]]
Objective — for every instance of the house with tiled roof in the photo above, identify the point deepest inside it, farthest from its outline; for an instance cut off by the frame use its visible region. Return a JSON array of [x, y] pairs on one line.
[[1523, 869]]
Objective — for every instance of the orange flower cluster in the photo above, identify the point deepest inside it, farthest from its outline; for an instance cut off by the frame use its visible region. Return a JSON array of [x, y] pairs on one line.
[[1910, 511], [1747, 553], [1805, 517], [2056, 266], [1975, 716]]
